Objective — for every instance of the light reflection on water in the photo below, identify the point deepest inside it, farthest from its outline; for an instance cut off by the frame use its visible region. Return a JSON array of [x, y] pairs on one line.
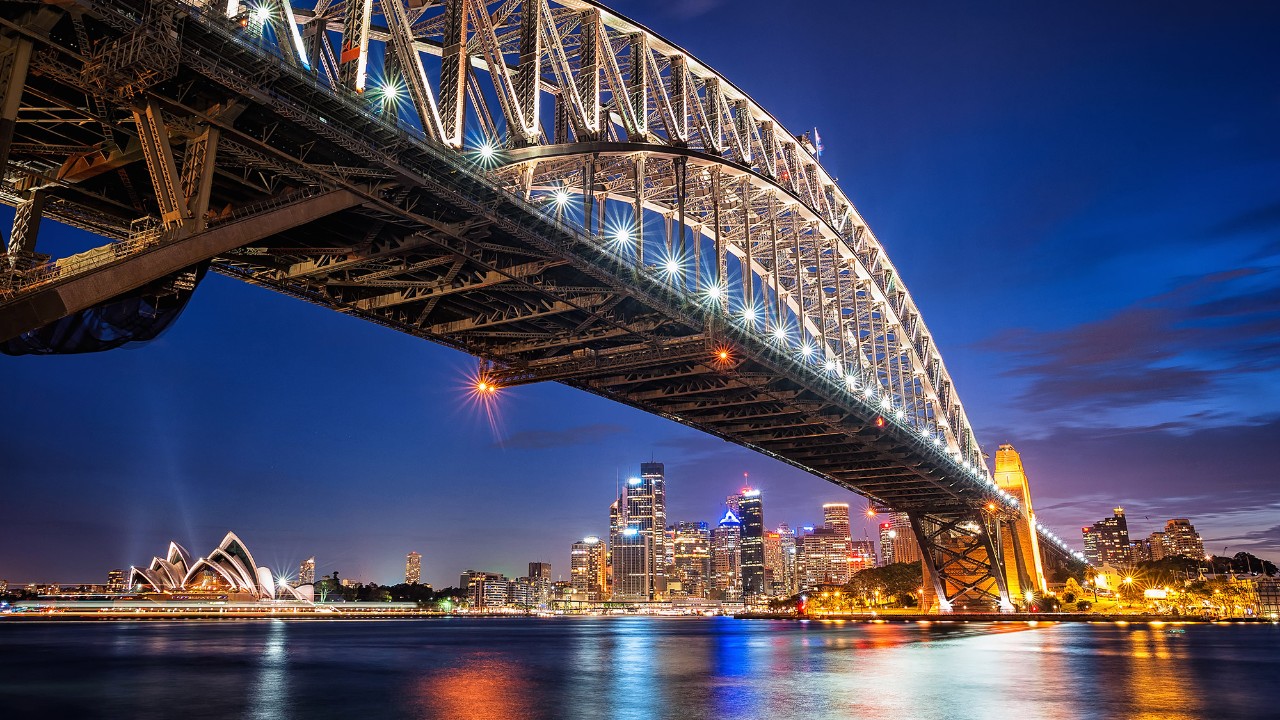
[[625, 668]]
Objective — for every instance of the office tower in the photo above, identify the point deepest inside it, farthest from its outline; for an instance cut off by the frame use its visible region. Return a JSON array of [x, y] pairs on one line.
[[862, 556], [1180, 538], [691, 558], [887, 534], [751, 514], [412, 568], [1090, 545], [822, 558], [587, 569], [639, 536], [1111, 539], [902, 540], [726, 557], [1140, 550], [540, 580], [788, 540], [540, 570], [835, 516], [115, 581], [1156, 544], [775, 570], [307, 572]]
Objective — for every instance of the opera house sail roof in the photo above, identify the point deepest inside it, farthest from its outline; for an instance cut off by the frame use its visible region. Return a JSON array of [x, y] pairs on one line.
[[230, 568]]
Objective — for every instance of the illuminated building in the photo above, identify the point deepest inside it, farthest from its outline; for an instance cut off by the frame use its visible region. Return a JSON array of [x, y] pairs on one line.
[[862, 556], [691, 558], [835, 517], [902, 541], [726, 557], [229, 569], [1090, 545], [1140, 550], [587, 569], [1156, 545], [412, 568], [1181, 538], [115, 581], [307, 571], [751, 514], [638, 538], [788, 540], [822, 558], [540, 580], [485, 589], [775, 566], [1269, 597], [1111, 539]]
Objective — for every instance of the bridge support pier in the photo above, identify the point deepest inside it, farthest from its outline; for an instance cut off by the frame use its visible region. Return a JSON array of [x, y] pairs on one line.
[[963, 563]]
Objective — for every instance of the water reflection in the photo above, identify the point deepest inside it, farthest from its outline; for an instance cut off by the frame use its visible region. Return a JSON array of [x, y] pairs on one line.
[[623, 668]]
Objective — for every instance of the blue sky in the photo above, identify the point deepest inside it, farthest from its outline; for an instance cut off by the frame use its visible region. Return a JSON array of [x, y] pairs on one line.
[[1084, 201]]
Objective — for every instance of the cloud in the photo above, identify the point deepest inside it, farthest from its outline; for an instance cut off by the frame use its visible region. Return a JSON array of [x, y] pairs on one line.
[[1181, 345], [567, 437]]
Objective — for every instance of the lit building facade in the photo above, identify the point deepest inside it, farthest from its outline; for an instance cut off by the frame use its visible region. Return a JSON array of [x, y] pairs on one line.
[[787, 537], [638, 536], [307, 571], [485, 589], [691, 559], [1156, 545], [1111, 539], [587, 569], [413, 568], [775, 567], [1181, 539], [862, 556], [115, 581], [822, 558], [751, 514], [726, 557]]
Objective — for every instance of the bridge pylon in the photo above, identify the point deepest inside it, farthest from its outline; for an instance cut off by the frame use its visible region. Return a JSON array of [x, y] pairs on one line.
[[962, 556], [1023, 563]]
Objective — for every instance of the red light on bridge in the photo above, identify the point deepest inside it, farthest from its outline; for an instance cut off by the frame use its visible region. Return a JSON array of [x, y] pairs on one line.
[[879, 421]]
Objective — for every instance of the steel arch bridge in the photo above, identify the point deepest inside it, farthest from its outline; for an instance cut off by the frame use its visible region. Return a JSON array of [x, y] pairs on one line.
[[549, 186]]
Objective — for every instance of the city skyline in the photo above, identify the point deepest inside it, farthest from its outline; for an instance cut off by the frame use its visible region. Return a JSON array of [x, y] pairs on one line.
[[1150, 390]]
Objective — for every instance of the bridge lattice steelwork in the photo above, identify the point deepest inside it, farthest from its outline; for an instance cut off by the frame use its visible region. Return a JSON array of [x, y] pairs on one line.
[[548, 186]]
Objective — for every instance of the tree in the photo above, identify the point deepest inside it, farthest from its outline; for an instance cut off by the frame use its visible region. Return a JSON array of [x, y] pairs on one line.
[[1072, 592]]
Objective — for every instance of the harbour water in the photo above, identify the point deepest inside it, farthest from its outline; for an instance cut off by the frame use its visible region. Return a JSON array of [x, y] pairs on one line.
[[623, 668]]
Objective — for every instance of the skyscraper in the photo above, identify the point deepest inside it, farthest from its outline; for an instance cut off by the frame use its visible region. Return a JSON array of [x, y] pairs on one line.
[[587, 568], [751, 514], [887, 534], [775, 567], [1181, 538], [726, 557], [639, 536], [788, 540], [822, 558], [835, 516], [902, 541], [691, 558], [1111, 539], [412, 568], [307, 571]]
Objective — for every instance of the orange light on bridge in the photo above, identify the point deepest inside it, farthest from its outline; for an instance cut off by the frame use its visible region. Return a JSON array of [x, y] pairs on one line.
[[879, 421], [484, 387], [723, 356], [871, 512], [991, 507]]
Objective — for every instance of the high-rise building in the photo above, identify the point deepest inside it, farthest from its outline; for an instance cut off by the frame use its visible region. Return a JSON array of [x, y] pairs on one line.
[[726, 557], [540, 580], [1111, 539], [1157, 546], [788, 540], [751, 514], [862, 556], [775, 566], [540, 570], [639, 538], [412, 568], [887, 534], [115, 581], [691, 558], [307, 572], [822, 558], [835, 516], [1181, 538], [1090, 545], [901, 544], [587, 571]]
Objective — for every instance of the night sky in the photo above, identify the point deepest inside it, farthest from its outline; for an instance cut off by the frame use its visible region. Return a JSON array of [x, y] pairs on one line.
[[1083, 199]]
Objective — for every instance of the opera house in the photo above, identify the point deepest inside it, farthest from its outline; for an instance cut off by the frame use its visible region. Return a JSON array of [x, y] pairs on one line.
[[227, 571]]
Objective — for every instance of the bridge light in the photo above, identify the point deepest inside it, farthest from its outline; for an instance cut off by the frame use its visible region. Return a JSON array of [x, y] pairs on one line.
[[561, 198], [672, 266], [991, 507], [870, 392], [806, 350], [487, 151], [714, 292], [780, 333], [899, 414], [871, 512], [830, 366], [261, 14], [390, 92], [879, 421], [723, 355], [623, 235]]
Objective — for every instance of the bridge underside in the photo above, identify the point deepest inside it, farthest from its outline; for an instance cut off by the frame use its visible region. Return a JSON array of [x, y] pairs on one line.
[[273, 179]]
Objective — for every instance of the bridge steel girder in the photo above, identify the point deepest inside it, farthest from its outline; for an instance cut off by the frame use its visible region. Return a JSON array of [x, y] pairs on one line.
[[62, 297], [692, 174], [962, 561]]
